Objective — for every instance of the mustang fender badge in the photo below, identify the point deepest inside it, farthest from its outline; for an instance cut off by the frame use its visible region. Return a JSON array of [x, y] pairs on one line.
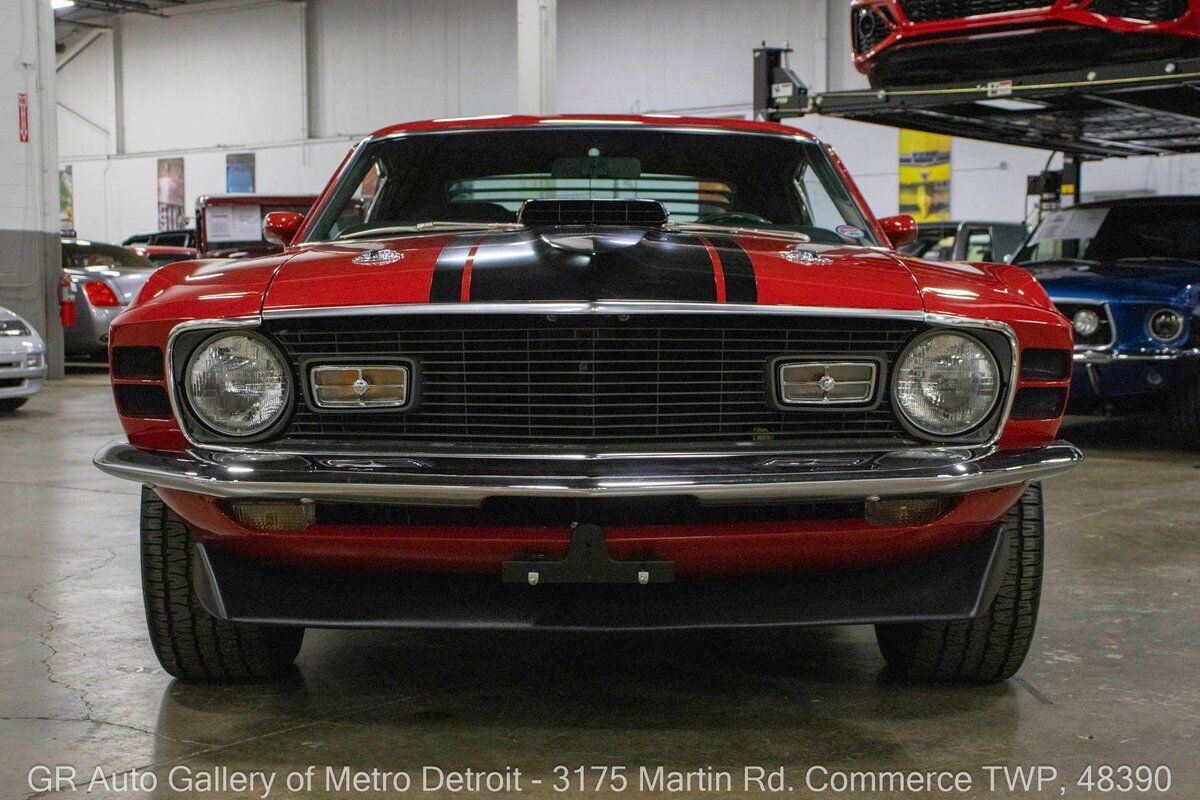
[[384, 256], [798, 256]]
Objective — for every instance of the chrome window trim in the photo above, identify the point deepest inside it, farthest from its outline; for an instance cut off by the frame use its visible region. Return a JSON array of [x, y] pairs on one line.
[[799, 137], [1102, 305], [597, 307]]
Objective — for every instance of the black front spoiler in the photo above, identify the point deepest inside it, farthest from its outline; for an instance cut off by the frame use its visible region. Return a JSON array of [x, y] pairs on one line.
[[954, 584]]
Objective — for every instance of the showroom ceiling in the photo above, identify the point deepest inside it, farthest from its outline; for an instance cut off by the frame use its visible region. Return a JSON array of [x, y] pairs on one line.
[[72, 18]]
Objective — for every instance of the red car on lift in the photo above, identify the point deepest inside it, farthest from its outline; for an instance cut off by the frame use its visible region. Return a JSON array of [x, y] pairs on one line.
[[590, 373], [919, 42]]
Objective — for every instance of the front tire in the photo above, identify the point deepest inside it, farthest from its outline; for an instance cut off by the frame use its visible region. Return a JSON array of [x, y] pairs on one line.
[[1184, 413], [12, 404], [993, 647], [190, 643]]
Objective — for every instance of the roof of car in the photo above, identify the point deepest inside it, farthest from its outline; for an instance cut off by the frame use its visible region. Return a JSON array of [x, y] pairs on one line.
[[526, 121]]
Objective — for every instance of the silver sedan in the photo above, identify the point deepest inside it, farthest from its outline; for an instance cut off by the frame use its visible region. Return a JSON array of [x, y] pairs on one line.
[[99, 281], [22, 361]]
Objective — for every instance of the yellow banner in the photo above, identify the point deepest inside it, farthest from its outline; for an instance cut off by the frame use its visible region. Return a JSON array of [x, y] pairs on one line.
[[925, 175]]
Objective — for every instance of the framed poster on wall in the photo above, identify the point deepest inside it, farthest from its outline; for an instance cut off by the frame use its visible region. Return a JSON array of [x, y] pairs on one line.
[[239, 173], [925, 176], [170, 194]]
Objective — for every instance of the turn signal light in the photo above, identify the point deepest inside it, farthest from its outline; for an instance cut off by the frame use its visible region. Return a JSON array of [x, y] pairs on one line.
[[906, 511], [276, 516], [67, 310], [361, 386], [100, 295]]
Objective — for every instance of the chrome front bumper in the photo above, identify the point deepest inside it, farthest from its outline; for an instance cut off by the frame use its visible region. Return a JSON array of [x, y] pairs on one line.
[[459, 480]]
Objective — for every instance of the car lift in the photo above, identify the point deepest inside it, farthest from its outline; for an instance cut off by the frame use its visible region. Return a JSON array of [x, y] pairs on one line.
[[1119, 110]]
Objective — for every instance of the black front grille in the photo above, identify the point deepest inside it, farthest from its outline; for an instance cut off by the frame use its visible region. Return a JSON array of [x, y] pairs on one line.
[[596, 380], [11, 383], [869, 27], [1148, 10], [932, 10], [1103, 337]]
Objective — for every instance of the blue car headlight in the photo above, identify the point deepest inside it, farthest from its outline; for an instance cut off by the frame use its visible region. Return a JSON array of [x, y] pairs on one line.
[[1166, 325]]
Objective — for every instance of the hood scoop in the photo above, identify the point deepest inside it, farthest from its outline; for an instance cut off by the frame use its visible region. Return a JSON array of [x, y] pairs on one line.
[[593, 212]]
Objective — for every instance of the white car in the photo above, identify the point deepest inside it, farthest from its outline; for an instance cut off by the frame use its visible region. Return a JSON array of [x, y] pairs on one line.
[[22, 361]]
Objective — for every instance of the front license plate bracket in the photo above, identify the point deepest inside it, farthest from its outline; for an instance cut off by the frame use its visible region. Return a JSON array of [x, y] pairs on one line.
[[588, 561]]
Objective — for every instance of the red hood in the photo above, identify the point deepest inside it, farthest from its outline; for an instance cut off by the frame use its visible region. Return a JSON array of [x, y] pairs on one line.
[[591, 264]]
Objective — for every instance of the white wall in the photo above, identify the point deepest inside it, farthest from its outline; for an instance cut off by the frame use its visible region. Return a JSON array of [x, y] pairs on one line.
[[378, 62], [623, 56], [205, 78], [87, 99], [229, 76]]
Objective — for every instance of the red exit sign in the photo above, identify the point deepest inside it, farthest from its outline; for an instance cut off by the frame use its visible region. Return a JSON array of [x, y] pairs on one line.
[[23, 117]]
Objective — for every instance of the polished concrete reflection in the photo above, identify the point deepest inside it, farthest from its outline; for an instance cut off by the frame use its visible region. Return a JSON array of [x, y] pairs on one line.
[[1114, 677]]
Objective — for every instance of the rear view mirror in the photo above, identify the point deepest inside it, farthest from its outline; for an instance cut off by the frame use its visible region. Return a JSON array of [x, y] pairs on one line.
[[900, 230], [281, 227], [597, 167]]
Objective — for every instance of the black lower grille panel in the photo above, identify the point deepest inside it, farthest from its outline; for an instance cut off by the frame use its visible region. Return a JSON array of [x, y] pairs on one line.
[[1149, 10], [594, 380], [932, 10]]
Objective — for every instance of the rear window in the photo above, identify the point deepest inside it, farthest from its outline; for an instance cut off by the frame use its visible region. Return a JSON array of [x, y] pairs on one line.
[[92, 257]]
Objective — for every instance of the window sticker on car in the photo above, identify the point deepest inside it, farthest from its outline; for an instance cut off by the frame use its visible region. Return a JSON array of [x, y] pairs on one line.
[[234, 223], [851, 232], [1080, 223]]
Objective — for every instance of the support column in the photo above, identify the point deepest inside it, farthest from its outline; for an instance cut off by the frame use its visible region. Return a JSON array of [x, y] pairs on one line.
[[29, 203], [536, 60]]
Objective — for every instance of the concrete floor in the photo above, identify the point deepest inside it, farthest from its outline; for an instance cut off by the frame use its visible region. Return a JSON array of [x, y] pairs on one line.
[[1114, 677]]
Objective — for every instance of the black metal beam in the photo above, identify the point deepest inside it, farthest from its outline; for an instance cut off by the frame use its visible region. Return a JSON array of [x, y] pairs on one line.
[[1147, 108]]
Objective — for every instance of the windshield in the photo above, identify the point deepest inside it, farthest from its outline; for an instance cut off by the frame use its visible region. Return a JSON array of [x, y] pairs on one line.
[[1135, 232], [93, 257], [484, 177]]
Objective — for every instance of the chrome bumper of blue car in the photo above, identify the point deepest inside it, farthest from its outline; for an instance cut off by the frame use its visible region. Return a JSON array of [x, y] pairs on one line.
[[463, 480], [1119, 356]]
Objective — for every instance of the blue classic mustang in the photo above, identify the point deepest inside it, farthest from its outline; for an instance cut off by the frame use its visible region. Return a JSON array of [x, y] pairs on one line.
[[1127, 275]]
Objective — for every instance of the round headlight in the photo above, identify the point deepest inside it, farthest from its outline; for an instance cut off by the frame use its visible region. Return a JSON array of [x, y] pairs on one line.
[[946, 383], [1085, 322], [1166, 325], [237, 384]]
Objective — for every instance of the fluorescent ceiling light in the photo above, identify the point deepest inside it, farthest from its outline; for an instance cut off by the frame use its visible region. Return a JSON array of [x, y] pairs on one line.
[[57, 4], [1011, 105]]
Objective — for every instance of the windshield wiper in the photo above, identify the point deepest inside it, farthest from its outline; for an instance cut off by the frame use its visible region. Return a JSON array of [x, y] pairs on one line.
[[704, 227], [1047, 261], [436, 225]]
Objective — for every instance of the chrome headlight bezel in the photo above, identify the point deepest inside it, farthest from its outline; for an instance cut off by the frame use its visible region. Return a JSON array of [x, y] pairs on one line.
[[989, 422], [200, 425], [1174, 313]]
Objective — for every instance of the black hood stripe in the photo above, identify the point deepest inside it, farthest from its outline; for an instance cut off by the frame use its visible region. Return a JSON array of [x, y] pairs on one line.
[[741, 286], [447, 283], [553, 265]]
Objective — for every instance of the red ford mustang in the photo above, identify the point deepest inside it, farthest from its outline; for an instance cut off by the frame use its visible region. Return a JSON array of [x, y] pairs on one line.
[[612, 373], [913, 42]]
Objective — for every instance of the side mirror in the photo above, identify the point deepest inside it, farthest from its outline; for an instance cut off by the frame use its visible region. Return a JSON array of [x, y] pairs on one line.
[[280, 227], [900, 230]]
